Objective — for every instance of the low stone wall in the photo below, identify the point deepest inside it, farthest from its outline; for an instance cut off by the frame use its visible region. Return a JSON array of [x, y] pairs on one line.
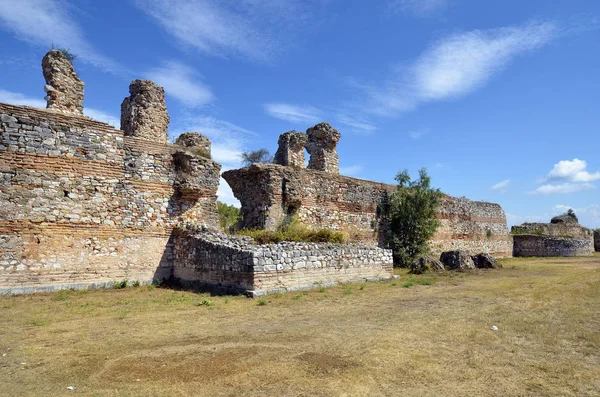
[[236, 264], [80, 203], [597, 240], [553, 229], [324, 200], [531, 245]]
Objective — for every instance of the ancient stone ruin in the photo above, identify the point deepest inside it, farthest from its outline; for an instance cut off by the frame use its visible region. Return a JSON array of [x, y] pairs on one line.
[[563, 236], [144, 113], [64, 89], [291, 149], [321, 145]]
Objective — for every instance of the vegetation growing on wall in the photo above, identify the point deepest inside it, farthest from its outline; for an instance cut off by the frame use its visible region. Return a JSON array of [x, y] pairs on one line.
[[229, 216], [293, 230], [67, 53], [410, 214], [260, 156]]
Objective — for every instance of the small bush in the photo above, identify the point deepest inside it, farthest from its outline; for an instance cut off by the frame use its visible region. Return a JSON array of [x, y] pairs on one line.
[[135, 283], [120, 284], [206, 302], [260, 156], [67, 53]]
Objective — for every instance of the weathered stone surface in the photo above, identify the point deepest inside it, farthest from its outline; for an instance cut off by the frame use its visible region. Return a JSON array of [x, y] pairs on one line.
[[426, 264], [457, 260], [84, 205], [321, 200], [597, 240], [64, 89], [236, 263], [291, 149], [321, 145], [533, 245], [561, 237], [194, 140], [485, 261], [569, 217], [144, 113]]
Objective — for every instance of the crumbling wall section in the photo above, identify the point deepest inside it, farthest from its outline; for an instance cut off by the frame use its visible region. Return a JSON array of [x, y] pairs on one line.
[[269, 193], [532, 245], [290, 151], [231, 263], [64, 89], [82, 204], [321, 145], [144, 113]]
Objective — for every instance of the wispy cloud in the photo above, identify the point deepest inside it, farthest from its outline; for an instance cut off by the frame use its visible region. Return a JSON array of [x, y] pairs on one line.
[[47, 22], [456, 66], [563, 188], [573, 171], [15, 98], [351, 170], [357, 123], [182, 82], [501, 186], [418, 134], [258, 30], [418, 7], [293, 113]]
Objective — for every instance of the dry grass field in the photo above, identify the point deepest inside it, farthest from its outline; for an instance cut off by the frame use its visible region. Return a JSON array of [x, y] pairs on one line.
[[416, 336]]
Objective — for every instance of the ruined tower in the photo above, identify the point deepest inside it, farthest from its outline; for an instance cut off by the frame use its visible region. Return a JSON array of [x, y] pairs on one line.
[[321, 145], [291, 149], [194, 140], [64, 89], [144, 113]]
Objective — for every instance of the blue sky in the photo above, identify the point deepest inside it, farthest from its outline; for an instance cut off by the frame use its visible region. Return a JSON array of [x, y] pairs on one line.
[[499, 100]]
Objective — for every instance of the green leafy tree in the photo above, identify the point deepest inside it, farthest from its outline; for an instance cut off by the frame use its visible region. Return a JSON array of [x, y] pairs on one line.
[[410, 213], [228, 216], [261, 156]]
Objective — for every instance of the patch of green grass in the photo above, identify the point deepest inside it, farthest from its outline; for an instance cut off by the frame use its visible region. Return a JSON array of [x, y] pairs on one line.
[[322, 289], [296, 297], [38, 322], [408, 284], [135, 283], [362, 286], [206, 302], [347, 291], [262, 302], [61, 295]]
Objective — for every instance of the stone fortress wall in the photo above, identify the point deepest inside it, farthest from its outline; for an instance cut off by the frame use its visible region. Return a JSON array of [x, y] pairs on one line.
[[321, 198], [236, 264], [563, 236], [82, 203]]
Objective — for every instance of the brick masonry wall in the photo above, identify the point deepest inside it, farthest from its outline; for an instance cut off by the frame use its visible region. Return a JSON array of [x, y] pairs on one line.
[[553, 229], [81, 203], [323, 200], [236, 263], [531, 245]]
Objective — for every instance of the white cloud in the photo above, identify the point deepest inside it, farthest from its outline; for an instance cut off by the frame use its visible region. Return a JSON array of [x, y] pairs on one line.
[[357, 123], [15, 98], [419, 7], [563, 188], [181, 82], [456, 66], [573, 171], [293, 113], [225, 194], [47, 22], [252, 29], [351, 170], [501, 186], [418, 134]]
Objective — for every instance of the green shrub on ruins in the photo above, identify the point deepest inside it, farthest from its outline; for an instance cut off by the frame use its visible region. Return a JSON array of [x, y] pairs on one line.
[[228, 216], [67, 53], [410, 214], [293, 230]]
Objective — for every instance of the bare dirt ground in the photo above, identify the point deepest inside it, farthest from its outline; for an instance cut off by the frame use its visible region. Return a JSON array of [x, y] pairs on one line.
[[416, 336]]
